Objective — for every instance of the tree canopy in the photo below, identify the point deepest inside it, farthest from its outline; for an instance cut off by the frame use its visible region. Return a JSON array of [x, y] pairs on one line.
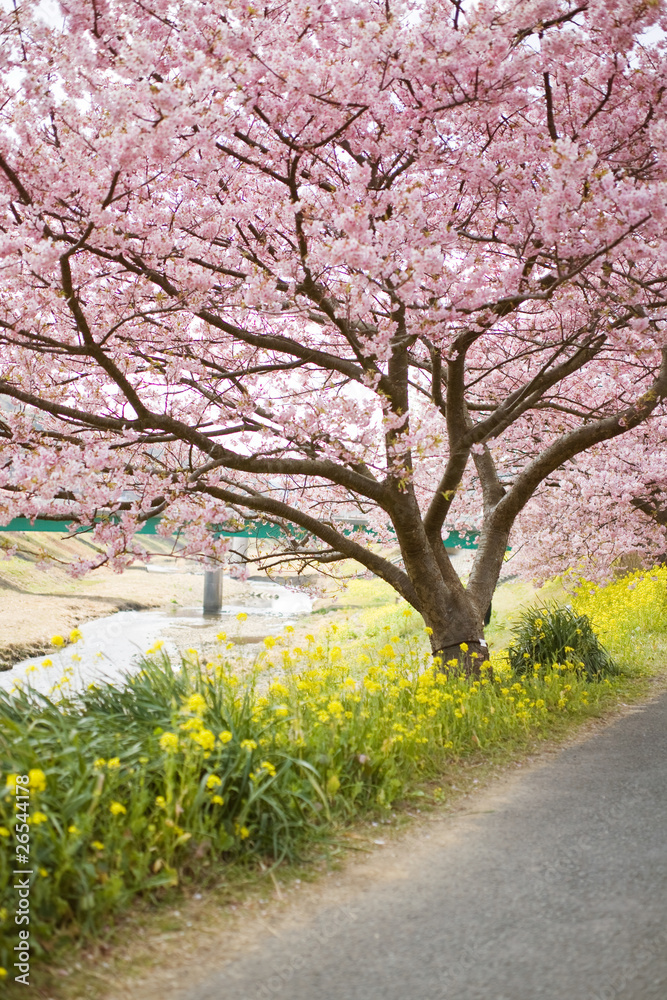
[[309, 261]]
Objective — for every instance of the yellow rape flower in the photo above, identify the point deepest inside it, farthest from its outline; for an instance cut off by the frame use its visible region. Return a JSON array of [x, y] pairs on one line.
[[75, 635], [57, 640], [37, 779], [196, 703], [38, 817], [73, 829], [98, 845], [204, 738], [117, 809], [213, 781], [4, 832], [225, 736], [169, 742], [113, 763], [217, 800], [248, 745], [192, 725]]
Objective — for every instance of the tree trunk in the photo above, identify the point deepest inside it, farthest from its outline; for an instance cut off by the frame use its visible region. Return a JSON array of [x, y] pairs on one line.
[[455, 621], [466, 657], [449, 611]]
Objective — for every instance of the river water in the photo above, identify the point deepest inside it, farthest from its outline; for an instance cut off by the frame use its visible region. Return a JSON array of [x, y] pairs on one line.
[[111, 646]]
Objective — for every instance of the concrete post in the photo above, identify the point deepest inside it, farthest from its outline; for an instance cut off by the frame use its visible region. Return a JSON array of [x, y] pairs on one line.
[[213, 577], [212, 591]]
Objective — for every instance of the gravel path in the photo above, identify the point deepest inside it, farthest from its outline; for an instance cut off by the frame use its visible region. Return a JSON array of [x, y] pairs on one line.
[[551, 887]]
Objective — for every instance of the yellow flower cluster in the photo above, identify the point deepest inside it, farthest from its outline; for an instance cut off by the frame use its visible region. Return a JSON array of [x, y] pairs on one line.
[[395, 699], [36, 780], [203, 738], [631, 606], [169, 742], [196, 703]]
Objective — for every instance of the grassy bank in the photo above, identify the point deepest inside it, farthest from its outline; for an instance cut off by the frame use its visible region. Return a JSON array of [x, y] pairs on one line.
[[161, 783]]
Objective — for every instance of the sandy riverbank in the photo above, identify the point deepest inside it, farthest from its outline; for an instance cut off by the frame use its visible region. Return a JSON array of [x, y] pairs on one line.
[[37, 603]]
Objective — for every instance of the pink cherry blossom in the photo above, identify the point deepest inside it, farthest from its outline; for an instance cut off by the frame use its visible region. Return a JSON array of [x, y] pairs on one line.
[[394, 262]]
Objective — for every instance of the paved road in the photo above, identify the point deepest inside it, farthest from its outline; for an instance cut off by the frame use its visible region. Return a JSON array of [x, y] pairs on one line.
[[559, 893]]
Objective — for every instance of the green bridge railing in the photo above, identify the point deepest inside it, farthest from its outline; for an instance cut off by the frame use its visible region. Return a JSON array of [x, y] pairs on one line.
[[252, 529]]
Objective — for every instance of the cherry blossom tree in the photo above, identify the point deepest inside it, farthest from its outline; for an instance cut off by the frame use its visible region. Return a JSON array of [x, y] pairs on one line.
[[617, 493], [306, 262]]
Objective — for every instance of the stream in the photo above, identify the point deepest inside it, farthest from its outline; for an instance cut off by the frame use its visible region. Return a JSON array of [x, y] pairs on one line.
[[111, 646]]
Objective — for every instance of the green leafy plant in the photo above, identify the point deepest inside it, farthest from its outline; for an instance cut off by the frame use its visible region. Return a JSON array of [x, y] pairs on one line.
[[549, 634]]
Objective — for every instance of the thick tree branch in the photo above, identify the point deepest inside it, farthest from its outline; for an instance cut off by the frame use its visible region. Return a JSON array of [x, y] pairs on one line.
[[464, 434], [495, 534], [548, 96]]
